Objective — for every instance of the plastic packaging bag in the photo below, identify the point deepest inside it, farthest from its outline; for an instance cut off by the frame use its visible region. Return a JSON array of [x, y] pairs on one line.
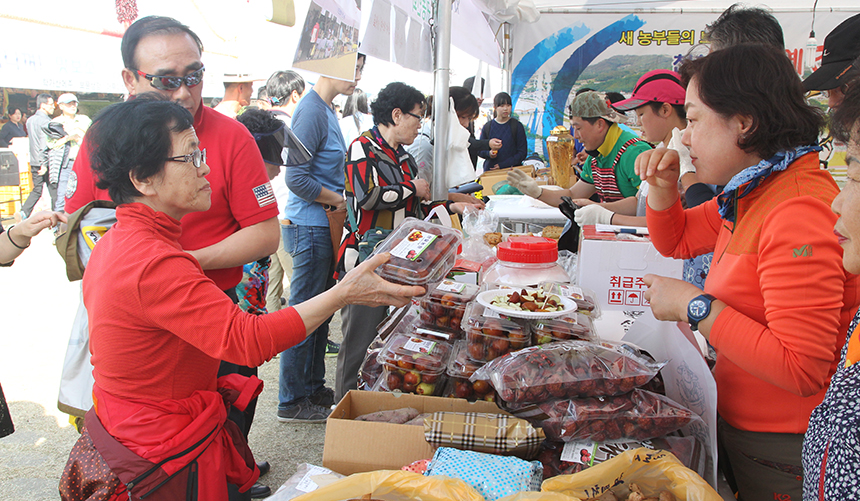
[[538, 496], [560, 458], [688, 380], [653, 471], [388, 485], [638, 415], [569, 369], [477, 223], [303, 482], [568, 260], [492, 476]]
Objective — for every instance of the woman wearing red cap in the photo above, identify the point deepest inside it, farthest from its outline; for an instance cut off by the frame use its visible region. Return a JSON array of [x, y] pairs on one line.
[[658, 100]]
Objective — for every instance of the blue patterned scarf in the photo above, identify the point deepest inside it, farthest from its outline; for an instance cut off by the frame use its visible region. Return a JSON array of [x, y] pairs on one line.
[[748, 179]]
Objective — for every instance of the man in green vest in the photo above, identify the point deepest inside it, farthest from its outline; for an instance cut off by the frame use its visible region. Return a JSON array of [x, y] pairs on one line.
[[612, 152]]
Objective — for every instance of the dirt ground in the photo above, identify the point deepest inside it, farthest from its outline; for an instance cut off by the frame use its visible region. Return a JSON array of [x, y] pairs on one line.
[[39, 305]]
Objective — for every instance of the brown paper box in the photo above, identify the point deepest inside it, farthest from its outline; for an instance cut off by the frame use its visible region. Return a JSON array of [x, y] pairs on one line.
[[357, 446], [489, 179]]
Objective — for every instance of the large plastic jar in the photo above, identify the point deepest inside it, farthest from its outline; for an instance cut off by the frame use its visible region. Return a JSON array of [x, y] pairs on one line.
[[526, 262]]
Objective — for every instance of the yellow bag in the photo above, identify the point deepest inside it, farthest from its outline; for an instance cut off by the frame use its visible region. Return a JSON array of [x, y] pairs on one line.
[[394, 485], [538, 496], [653, 471]]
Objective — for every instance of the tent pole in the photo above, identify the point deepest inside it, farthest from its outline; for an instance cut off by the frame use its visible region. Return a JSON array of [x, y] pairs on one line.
[[507, 55], [440, 98]]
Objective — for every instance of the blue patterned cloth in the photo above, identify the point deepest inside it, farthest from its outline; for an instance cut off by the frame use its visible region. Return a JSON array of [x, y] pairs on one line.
[[492, 476], [834, 430], [748, 179]]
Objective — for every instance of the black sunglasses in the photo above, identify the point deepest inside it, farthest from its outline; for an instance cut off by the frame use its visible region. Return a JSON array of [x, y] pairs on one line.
[[192, 79]]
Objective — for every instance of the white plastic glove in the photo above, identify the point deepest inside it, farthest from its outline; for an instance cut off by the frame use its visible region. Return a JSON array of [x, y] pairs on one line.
[[593, 214], [525, 183], [683, 152]]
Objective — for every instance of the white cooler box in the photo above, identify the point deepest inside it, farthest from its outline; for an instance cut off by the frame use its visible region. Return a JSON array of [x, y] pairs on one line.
[[612, 265]]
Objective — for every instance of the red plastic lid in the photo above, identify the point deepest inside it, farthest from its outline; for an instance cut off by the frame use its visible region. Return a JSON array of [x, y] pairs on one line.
[[528, 249]]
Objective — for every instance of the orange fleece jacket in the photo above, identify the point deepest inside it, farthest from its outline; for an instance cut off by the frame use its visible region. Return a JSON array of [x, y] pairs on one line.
[[779, 270]]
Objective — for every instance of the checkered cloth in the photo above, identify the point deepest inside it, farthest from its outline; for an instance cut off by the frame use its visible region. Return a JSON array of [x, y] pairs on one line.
[[482, 432]]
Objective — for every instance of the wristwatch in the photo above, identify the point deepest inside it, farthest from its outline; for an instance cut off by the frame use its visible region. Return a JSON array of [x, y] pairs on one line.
[[699, 309]]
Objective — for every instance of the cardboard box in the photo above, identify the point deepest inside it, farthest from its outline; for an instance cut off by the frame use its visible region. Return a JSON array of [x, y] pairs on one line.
[[357, 446], [612, 265], [489, 179]]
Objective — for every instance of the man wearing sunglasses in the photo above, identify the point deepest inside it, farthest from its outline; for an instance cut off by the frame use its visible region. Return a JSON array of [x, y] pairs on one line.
[[163, 55]]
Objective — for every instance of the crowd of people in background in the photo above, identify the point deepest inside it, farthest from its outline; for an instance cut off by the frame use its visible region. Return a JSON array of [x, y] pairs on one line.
[[283, 192]]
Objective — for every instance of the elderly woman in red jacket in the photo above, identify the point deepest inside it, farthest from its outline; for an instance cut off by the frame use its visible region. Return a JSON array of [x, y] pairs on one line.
[[159, 326]]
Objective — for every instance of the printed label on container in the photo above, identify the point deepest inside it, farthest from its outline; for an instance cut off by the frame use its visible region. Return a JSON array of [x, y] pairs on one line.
[[419, 345], [590, 452], [452, 286], [572, 292], [428, 332], [413, 245], [308, 485]]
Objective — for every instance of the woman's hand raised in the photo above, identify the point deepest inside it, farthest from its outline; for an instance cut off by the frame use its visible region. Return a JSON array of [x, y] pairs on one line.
[[363, 286], [660, 168]]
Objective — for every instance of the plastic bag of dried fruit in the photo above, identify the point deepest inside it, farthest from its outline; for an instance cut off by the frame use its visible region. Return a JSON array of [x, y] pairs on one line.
[[569, 369], [653, 473], [388, 485], [638, 415]]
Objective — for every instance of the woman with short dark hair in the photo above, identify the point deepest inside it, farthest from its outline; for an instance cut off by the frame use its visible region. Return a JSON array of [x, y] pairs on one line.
[[382, 188], [159, 327], [778, 301]]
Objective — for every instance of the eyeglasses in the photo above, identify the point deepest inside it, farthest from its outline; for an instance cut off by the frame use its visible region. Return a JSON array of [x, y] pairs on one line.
[[841, 89], [192, 79], [413, 114], [197, 158]]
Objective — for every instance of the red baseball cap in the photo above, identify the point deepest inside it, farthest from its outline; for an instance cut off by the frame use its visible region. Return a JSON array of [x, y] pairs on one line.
[[660, 86]]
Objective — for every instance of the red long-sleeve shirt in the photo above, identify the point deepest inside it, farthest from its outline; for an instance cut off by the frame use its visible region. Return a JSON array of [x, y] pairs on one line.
[[779, 270], [158, 325]]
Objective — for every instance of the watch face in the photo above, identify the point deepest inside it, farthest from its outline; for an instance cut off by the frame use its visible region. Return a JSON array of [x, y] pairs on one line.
[[697, 308]]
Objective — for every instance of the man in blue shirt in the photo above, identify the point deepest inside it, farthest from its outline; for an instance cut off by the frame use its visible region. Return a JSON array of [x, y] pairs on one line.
[[314, 188]]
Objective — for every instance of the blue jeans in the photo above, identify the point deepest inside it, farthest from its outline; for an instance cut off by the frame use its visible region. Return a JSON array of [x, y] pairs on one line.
[[303, 365]]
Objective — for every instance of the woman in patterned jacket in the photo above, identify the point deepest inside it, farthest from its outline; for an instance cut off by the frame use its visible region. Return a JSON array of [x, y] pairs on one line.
[[831, 448], [382, 188]]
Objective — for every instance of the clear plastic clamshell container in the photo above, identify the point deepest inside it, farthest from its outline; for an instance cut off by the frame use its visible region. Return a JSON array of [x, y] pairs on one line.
[[460, 369], [572, 326], [489, 337], [414, 364], [422, 253], [445, 306]]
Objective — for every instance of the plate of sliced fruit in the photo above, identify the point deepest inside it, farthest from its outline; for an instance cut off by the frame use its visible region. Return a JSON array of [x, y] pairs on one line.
[[526, 303]]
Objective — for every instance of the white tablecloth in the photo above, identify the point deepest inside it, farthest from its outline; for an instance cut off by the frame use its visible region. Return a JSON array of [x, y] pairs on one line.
[[521, 211]]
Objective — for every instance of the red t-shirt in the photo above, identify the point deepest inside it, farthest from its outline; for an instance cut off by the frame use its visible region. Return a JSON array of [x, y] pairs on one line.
[[241, 193]]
